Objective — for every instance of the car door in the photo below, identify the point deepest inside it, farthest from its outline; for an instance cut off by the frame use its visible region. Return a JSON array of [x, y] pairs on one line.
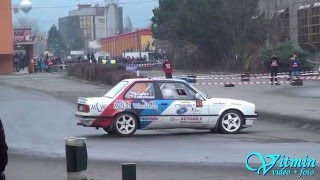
[[180, 108], [141, 97]]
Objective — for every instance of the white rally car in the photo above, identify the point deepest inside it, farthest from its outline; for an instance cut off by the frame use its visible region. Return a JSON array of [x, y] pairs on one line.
[[159, 104]]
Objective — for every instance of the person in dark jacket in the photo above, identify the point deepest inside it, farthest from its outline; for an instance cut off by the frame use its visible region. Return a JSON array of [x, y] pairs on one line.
[[295, 65], [3, 152], [274, 66]]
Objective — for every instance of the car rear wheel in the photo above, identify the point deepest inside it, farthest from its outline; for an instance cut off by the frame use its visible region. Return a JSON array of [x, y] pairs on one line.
[[125, 124], [109, 131], [231, 122]]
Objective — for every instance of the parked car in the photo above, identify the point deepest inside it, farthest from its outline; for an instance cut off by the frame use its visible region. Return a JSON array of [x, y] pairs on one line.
[[160, 104]]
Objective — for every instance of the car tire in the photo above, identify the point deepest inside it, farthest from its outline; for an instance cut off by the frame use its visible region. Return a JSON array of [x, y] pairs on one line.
[[125, 124], [231, 122], [109, 130]]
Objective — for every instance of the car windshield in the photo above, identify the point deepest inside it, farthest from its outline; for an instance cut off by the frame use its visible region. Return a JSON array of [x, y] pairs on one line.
[[116, 89], [200, 92]]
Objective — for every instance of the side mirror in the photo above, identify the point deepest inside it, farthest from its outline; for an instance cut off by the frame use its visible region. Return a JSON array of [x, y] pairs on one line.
[[198, 96]]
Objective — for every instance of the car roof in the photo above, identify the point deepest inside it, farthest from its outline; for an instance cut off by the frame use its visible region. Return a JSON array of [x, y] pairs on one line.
[[154, 80]]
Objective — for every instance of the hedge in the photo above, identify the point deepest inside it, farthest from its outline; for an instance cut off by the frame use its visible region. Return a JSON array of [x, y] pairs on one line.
[[109, 74]]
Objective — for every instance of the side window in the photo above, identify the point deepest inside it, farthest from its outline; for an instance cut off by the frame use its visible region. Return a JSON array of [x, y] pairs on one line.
[[141, 91], [176, 91]]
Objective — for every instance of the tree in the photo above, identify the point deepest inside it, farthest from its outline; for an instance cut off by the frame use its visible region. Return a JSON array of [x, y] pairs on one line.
[[283, 51], [221, 30], [55, 42]]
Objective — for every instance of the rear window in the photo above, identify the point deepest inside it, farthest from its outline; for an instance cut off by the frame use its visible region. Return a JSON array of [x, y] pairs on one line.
[[116, 89]]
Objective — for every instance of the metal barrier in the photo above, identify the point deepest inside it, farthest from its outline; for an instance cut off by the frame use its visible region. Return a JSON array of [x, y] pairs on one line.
[[76, 158], [129, 171], [77, 161]]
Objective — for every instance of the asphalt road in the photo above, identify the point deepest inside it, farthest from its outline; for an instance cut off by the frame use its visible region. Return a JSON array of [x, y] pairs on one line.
[[36, 124]]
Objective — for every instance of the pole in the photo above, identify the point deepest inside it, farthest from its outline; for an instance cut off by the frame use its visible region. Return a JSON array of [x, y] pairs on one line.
[[76, 158], [129, 171]]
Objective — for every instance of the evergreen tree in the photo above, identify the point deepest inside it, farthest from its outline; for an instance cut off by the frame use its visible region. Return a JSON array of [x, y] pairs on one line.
[[55, 43]]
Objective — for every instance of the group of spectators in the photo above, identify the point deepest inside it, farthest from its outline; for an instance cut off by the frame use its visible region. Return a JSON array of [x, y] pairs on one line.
[[19, 61], [44, 64], [294, 68]]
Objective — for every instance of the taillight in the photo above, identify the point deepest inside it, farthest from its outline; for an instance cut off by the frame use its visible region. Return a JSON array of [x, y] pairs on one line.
[[83, 108]]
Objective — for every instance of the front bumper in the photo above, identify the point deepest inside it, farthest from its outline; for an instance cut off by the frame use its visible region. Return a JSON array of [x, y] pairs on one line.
[[249, 120]]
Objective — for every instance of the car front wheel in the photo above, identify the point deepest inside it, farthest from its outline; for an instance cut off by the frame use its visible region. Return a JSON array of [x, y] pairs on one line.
[[231, 122], [125, 124]]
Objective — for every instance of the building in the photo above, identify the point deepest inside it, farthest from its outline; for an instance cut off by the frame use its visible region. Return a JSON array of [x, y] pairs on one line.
[[90, 22], [114, 19], [297, 21], [139, 40], [6, 38]]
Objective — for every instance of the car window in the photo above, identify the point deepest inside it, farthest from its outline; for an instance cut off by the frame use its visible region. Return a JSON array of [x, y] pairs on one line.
[[176, 91], [116, 89], [141, 91]]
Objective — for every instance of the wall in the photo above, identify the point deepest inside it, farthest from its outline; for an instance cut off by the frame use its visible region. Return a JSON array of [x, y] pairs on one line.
[[6, 64], [6, 38]]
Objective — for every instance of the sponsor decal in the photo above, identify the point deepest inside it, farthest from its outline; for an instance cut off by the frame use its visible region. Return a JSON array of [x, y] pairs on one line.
[[182, 110], [174, 119], [281, 165], [184, 105], [121, 105], [196, 110], [98, 107], [82, 101], [145, 105], [149, 118], [191, 120], [140, 95]]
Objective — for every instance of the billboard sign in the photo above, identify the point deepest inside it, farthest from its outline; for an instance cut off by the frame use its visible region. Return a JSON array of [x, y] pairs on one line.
[[22, 35]]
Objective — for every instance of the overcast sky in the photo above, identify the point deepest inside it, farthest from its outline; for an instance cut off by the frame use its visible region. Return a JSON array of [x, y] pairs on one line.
[[47, 12]]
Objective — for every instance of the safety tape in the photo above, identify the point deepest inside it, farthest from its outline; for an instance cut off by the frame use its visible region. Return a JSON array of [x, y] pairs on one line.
[[259, 77], [251, 82], [303, 76], [263, 74], [252, 75], [240, 83]]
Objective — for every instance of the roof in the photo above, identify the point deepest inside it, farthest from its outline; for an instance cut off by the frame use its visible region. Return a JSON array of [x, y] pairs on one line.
[[140, 32], [153, 79]]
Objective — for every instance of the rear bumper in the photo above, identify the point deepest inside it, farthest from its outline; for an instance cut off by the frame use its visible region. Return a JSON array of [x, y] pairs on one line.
[[94, 121], [249, 120]]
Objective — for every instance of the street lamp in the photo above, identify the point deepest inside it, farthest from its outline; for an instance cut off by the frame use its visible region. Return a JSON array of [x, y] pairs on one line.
[[26, 6]]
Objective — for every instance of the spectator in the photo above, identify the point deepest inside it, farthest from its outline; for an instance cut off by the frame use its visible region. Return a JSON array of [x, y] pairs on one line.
[[167, 69], [295, 65], [274, 66], [16, 60], [3, 152], [93, 58], [289, 67]]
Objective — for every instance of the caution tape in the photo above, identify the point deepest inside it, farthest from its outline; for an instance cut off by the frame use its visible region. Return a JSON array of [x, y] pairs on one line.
[[229, 77], [252, 82], [239, 83]]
